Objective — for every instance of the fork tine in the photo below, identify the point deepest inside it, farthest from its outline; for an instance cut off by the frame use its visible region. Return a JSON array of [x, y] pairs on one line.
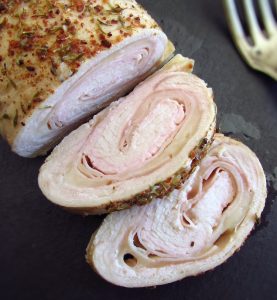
[[233, 19], [236, 27], [267, 16], [251, 18]]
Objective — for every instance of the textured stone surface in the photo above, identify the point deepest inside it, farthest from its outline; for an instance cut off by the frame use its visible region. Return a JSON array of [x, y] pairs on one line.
[[42, 247]]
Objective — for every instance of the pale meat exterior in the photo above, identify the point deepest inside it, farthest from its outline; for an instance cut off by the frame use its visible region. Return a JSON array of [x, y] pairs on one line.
[[138, 148], [195, 229], [62, 61]]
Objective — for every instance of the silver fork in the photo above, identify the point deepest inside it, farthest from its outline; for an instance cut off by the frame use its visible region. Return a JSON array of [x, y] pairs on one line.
[[260, 48]]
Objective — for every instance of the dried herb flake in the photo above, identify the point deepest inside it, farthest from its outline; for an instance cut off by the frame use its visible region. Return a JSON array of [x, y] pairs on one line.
[[46, 107], [72, 57]]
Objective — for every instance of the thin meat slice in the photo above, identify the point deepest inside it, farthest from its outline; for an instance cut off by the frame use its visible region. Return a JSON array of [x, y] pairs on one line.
[[63, 61], [139, 147], [195, 229]]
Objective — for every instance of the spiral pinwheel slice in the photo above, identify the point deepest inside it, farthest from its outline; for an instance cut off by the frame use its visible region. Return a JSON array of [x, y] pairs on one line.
[[191, 231], [138, 148], [63, 61]]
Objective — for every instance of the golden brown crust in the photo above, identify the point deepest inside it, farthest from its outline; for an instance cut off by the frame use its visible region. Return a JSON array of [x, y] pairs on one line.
[[37, 37]]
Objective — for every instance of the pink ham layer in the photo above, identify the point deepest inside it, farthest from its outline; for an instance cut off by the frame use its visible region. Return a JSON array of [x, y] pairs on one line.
[[198, 215], [134, 132], [189, 232], [200, 206], [99, 81], [137, 142], [106, 80]]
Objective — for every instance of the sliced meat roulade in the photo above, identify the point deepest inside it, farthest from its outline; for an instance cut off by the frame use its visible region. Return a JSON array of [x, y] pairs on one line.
[[139, 147], [191, 231], [62, 61]]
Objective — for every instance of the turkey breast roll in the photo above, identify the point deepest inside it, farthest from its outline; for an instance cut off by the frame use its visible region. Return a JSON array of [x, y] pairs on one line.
[[195, 229], [139, 147], [63, 61]]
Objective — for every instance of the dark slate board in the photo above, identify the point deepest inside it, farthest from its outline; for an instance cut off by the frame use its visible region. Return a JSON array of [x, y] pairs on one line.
[[42, 247]]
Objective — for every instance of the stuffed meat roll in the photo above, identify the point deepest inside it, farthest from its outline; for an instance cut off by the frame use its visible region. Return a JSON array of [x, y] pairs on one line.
[[195, 229], [140, 147]]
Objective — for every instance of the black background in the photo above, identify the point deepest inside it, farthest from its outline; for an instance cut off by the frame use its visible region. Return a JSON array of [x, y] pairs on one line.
[[42, 247]]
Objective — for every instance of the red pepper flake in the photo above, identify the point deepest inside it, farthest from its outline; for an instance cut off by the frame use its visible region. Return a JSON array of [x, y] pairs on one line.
[[79, 46], [168, 180], [22, 123], [101, 36], [45, 22], [75, 46], [98, 8], [51, 14], [1, 58], [61, 37], [12, 46], [192, 154], [106, 44], [79, 4], [72, 29], [37, 100]]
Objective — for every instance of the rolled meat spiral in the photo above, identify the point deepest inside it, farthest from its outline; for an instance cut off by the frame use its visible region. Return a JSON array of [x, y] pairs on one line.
[[63, 61], [193, 230], [139, 147]]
